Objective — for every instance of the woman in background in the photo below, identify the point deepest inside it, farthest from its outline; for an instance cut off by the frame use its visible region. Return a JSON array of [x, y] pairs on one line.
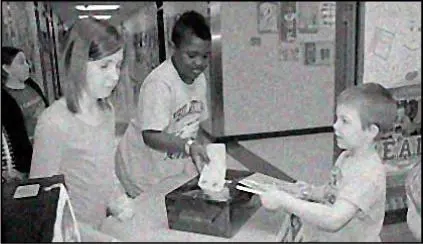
[[75, 136], [17, 82], [21, 103]]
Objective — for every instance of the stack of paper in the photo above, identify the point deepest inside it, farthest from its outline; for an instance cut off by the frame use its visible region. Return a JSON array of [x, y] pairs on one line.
[[259, 183]]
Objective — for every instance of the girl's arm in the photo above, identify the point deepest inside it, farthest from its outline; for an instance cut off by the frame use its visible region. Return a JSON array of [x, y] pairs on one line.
[[327, 217], [46, 156]]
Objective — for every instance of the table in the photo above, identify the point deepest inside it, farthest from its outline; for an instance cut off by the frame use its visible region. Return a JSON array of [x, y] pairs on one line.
[[150, 221]]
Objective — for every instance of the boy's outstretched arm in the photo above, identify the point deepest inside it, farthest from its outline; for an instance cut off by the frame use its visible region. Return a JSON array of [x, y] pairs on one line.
[[329, 218], [312, 192]]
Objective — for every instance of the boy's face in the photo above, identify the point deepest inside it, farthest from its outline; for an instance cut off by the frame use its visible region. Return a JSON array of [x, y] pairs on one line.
[[348, 128], [192, 56]]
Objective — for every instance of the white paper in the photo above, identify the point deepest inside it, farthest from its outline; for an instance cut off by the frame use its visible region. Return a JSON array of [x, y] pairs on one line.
[[247, 189], [26, 191], [261, 182], [212, 177]]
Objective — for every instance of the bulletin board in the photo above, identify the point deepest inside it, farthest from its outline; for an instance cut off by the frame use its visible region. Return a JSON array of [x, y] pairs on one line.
[[392, 43], [277, 77]]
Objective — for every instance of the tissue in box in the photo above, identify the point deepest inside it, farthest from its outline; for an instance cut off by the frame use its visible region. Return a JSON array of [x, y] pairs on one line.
[[190, 209]]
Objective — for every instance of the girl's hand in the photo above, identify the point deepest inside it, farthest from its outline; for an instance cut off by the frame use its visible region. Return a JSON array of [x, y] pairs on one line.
[[199, 155], [122, 208]]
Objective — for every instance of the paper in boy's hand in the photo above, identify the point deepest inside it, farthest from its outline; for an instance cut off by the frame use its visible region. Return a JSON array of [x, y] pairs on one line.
[[212, 177], [261, 183]]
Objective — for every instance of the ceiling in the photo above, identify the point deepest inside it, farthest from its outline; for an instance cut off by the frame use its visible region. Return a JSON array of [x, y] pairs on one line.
[[68, 14]]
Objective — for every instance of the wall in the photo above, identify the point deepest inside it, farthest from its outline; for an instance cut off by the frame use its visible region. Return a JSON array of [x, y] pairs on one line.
[[142, 56], [392, 43], [261, 91], [306, 158]]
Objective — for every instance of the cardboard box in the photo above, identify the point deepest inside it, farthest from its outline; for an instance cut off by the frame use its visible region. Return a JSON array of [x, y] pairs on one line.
[[190, 209]]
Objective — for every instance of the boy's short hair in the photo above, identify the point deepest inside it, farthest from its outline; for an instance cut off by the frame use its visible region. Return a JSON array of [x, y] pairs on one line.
[[374, 103], [192, 22]]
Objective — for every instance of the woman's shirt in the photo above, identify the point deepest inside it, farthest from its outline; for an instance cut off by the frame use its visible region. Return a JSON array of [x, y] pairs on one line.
[[31, 104], [64, 144]]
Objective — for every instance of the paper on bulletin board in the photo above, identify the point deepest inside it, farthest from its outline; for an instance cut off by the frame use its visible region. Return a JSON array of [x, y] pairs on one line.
[[289, 52], [319, 53], [267, 17], [308, 17], [327, 14], [382, 43], [392, 44]]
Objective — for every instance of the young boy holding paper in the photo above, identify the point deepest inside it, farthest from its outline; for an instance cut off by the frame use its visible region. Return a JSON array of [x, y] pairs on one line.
[[351, 207]]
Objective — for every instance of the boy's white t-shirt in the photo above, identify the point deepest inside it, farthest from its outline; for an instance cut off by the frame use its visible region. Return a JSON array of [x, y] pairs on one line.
[[167, 104], [362, 182]]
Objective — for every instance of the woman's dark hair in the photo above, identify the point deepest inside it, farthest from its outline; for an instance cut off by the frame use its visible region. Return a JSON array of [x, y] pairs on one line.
[[8, 54], [88, 39], [193, 22]]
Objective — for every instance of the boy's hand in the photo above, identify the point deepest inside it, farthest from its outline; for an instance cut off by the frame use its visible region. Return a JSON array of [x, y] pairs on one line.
[[275, 198], [199, 155], [304, 190], [270, 199]]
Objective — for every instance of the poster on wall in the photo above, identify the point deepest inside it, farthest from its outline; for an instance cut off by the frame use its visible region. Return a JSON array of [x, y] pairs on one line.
[[381, 44], [308, 17], [327, 13], [289, 52], [319, 53], [288, 22], [267, 17]]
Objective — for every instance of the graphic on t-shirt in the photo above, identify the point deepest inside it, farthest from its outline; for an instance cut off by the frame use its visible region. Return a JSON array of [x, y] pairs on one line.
[[187, 122]]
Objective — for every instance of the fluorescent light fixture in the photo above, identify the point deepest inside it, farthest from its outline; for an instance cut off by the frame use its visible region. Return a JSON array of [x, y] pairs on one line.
[[95, 16], [97, 7]]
